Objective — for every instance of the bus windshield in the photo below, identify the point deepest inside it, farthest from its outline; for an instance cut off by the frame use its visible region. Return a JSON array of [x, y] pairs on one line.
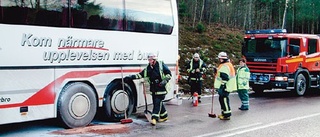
[[263, 47]]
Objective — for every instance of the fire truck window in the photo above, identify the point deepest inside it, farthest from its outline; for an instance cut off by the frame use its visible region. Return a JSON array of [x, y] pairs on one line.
[[294, 50], [312, 46], [294, 42]]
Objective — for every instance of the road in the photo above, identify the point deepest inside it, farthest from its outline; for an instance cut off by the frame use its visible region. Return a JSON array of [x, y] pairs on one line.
[[275, 114]]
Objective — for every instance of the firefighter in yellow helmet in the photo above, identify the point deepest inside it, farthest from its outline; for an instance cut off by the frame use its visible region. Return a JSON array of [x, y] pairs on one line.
[[158, 75], [225, 83]]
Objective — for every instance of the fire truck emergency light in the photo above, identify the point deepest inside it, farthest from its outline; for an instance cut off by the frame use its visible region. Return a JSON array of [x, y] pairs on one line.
[[266, 31]]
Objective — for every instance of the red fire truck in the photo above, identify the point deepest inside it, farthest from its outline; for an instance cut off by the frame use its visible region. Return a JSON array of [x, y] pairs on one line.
[[282, 60]]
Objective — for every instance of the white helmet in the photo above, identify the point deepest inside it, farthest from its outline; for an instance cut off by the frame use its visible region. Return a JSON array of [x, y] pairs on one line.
[[222, 55], [196, 55], [152, 56]]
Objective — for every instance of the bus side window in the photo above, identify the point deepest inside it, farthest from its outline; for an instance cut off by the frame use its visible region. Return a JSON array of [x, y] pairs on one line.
[[105, 22], [165, 29], [14, 15], [139, 26], [79, 18], [1, 13], [48, 18], [94, 22]]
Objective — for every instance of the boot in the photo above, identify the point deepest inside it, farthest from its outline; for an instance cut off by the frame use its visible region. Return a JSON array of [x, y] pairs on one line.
[[221, 117], [153, 122], [242, 108], [163, 119]]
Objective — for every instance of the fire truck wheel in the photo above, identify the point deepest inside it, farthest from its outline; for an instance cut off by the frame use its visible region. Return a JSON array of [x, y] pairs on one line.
[[116, 101], [77, 105], [301, 85]]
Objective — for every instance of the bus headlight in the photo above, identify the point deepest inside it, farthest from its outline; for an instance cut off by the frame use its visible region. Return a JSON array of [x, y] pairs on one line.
[[281, 78]]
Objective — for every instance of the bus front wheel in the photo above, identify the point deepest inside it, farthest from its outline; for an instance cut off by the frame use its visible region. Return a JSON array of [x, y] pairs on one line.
[[77, 105], [116, 101]]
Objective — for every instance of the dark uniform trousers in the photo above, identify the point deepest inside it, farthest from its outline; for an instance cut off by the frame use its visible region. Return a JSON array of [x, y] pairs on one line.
[[224, 101], [196, 86], [158, 108]]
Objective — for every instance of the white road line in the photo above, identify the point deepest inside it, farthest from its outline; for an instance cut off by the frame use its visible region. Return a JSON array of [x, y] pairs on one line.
[[223, 131], [204, 104], [259, 127]]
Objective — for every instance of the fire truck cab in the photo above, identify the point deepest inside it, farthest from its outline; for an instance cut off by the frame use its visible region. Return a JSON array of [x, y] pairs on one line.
[[282, 60]]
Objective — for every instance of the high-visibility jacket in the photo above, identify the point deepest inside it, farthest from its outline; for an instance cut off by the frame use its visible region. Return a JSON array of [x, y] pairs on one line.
[[243, 76], [226, 68], [154, 75], [196, 65]]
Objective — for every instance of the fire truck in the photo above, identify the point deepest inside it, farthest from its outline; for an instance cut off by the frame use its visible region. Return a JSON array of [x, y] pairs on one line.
[[281, 60]]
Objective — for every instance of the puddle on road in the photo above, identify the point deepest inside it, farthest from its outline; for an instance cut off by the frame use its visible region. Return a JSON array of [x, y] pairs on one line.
[[95, 129]]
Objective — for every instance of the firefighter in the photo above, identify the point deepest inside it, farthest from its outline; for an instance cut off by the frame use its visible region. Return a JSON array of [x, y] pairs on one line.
[[225, 83], [196, 68], [243, 76], [158, 75]]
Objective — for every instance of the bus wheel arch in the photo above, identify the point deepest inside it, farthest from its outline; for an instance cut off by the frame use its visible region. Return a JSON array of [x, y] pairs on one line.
[[116, 100], [77, 104]]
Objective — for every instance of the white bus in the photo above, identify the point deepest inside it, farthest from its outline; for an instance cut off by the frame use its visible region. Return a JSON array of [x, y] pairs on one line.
[[66, 58]]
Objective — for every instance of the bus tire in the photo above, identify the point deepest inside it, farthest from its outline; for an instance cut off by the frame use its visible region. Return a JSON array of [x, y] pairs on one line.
[[300, 85], [116, 101], [77, 105]]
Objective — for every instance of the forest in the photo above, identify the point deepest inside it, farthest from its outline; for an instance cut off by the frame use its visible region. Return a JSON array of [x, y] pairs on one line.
[[298, 16]]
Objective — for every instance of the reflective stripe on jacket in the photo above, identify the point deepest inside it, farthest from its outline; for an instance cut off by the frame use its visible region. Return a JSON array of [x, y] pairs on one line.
[[228, 69], [165, 74], [194, 76]]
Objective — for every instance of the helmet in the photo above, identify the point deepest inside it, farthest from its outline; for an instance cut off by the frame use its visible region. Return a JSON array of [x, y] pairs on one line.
[[196, 55], [222, 55], [152, 56]]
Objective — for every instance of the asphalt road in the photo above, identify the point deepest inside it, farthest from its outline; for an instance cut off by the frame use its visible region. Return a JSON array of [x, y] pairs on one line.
[[275, 114]]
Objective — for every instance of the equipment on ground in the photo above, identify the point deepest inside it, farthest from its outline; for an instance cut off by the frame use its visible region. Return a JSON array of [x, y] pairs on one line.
[[212, 114], [125, 120], [195, 100], [147, 113]]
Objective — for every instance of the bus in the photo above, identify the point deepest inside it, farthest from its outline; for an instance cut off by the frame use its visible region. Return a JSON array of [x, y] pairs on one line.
[[66, 59]]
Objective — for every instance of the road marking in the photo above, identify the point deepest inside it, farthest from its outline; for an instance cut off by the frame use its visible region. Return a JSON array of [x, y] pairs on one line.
[[204, 104], [223, 131], [258, 127]]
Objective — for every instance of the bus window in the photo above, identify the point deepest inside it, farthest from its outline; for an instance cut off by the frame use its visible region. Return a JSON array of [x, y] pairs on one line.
[[42, 13], [152, 16], [103, 14]]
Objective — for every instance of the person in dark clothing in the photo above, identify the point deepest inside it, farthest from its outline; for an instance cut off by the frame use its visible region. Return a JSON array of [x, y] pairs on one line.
[[196, 68], [158, 75]]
